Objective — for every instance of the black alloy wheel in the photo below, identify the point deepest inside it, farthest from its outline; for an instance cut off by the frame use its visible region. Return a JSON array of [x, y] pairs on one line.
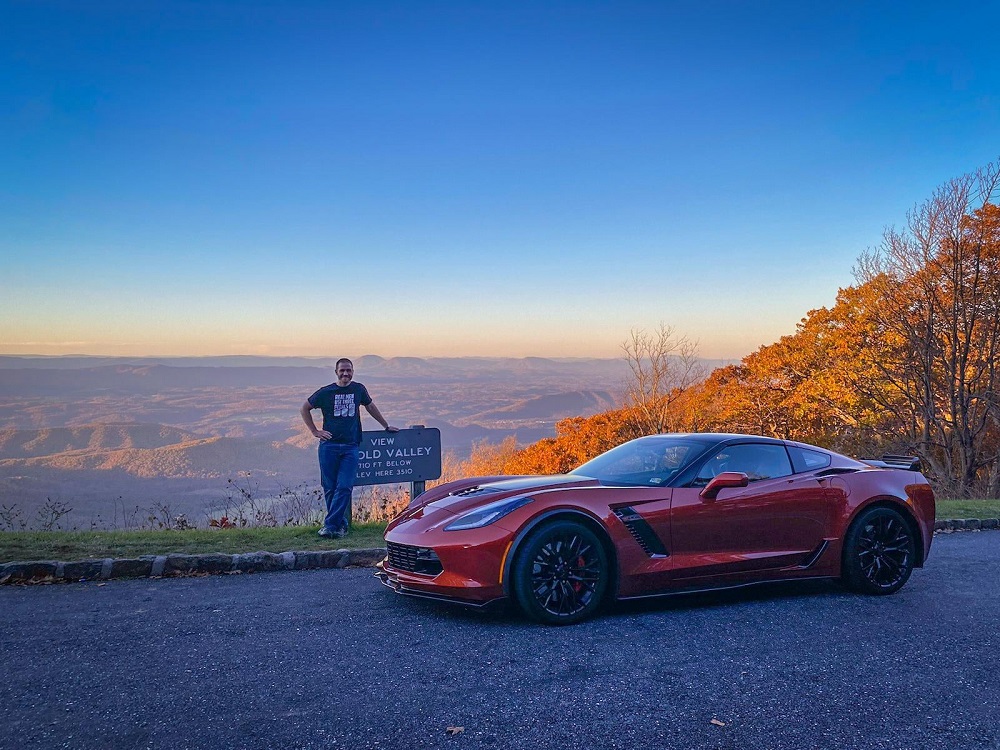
[[879, 552], [560, 573]]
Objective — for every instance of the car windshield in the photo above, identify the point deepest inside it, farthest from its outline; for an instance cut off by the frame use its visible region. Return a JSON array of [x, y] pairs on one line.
[[646, 461]]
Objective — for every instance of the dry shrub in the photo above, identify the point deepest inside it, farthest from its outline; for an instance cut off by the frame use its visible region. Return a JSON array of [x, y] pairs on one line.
[[379, 503]]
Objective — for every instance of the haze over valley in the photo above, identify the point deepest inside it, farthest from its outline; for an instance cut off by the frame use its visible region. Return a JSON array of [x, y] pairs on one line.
[[104, 435]]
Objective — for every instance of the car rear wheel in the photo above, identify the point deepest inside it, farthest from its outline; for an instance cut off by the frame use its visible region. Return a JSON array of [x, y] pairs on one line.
[[879, 551], [560, 573]]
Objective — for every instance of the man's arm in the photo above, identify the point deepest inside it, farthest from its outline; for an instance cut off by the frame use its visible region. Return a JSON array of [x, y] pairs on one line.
[[307, 417], [373, 410]]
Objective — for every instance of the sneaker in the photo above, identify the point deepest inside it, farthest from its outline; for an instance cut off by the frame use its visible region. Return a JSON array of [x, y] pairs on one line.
[[339, 534], [327, 532]]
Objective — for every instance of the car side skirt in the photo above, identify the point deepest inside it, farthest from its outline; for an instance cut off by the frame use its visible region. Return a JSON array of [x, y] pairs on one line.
[[706, 588]]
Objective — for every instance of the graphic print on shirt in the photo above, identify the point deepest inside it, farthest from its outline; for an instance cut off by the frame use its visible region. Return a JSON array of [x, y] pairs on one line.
[[343, 405]]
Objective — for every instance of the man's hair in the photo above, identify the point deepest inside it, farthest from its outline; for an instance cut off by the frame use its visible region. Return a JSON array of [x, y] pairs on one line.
[[342, 359]]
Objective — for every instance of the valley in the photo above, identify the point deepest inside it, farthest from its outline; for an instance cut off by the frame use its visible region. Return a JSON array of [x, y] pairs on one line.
[[101, 438]]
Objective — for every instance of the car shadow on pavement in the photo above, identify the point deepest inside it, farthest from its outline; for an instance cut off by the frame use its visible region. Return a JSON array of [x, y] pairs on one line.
[[502, 612]]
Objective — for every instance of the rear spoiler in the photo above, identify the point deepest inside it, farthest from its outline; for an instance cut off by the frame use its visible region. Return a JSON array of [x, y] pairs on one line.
[[890, 461]]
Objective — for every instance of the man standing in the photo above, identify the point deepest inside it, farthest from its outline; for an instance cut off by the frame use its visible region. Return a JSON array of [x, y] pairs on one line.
[[338, 442]]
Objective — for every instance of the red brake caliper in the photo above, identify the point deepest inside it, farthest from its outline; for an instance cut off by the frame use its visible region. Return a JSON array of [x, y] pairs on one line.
[[577, 585]]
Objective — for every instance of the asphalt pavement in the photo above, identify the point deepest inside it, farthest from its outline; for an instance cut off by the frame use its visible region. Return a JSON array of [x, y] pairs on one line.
[[332, 659]]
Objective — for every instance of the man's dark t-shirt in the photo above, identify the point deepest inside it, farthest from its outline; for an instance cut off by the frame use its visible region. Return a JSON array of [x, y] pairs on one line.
[[341, 407]]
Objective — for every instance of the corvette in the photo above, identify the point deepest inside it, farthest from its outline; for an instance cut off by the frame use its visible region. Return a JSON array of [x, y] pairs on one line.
[[664, 514]]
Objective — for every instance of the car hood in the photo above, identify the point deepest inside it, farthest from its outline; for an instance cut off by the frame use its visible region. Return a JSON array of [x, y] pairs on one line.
[[475, 495]]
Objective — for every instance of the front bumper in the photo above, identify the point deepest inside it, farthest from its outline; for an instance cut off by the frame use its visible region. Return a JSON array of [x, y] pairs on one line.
[[471, 562], [402, 583]]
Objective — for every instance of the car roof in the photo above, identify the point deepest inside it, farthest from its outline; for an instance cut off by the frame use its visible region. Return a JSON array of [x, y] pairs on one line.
[[718, 437]]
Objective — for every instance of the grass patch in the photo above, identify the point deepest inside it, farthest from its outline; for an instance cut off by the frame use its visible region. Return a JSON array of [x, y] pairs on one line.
[[80, 545], [951, 509]]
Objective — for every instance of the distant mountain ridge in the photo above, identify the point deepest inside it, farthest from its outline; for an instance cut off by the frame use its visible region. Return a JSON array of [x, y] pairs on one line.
[[154, 378], [188, 457], [15, 444], [555, 406]]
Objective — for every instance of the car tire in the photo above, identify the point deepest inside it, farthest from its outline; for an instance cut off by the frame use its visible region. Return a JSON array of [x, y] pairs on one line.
[[560, 573], [879, 552]]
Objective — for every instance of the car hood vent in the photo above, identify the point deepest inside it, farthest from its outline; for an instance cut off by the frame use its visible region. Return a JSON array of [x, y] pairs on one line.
[[477, 490]]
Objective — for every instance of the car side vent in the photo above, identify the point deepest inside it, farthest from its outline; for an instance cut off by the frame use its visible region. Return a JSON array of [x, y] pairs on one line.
[[642, 532], [834, 471]]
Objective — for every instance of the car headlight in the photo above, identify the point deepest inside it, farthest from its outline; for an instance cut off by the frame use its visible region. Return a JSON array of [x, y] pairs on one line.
[[487, 514]]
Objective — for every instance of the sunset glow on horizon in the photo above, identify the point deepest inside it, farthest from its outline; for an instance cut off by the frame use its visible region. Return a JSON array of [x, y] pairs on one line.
[[463, 179]]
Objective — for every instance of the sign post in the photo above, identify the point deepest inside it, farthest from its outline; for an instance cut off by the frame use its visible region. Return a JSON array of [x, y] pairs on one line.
[[412, 455]]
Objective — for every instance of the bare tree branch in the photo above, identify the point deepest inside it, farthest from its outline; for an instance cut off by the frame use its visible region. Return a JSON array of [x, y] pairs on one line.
[[662, 366]]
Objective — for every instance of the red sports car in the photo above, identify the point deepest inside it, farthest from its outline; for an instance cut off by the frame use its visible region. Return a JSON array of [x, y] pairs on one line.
[[660, 515]]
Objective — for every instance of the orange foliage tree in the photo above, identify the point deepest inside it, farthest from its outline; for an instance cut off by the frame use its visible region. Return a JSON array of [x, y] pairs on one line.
[[936, 326]]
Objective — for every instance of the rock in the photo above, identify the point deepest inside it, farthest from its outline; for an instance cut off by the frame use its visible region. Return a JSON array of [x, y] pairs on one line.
[[178, 565], [333, 558], [23, 572], [365, 558], [213, 563], [258, 562], [83, 569], [316, 559], [132, 567]]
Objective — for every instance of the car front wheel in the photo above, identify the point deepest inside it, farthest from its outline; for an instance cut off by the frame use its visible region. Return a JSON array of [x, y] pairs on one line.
[[560, 573], [879, 552]]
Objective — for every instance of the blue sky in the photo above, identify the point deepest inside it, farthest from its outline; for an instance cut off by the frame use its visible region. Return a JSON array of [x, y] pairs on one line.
[[448, 179]]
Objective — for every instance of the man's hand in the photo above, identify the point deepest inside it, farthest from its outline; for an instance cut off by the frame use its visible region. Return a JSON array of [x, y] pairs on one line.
[[390, 428], [322, 434]]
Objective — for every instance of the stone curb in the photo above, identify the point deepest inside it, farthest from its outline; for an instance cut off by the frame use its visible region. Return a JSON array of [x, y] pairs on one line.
[[967, 524], [175, 566]]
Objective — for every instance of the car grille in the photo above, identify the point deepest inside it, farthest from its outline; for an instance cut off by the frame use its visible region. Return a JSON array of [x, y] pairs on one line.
[[414, 559]]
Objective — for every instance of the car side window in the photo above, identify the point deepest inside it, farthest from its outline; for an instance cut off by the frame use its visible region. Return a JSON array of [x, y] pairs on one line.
[[757, 460], [807, 460]]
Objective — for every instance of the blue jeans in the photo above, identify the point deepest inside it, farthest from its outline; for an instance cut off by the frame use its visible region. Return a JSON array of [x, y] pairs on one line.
[[338, 465]]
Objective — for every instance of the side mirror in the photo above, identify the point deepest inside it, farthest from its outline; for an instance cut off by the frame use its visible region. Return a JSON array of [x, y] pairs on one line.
[[722, 481]]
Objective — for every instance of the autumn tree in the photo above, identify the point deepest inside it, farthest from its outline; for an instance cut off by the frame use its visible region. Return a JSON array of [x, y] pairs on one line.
[[813, 379], [577, 440], [485, 459], [935, 327]]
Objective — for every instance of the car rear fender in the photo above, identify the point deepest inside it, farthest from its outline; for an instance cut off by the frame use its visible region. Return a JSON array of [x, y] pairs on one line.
[[896, 504], [564, 514]]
